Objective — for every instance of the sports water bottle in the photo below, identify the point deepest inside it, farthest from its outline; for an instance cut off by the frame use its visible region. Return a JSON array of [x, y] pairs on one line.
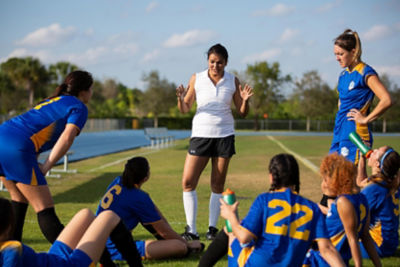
[[356, 139], [230, 198]]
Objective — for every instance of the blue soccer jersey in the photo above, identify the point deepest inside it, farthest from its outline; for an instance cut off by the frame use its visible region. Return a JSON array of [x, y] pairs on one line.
[[285, 225], [132, 205], [336, 230], [22, 138], [16, 254], [384, 223], [353, 93]]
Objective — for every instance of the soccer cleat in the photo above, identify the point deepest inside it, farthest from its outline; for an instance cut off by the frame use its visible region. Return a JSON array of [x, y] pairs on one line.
[[188, 236], [212, 233]]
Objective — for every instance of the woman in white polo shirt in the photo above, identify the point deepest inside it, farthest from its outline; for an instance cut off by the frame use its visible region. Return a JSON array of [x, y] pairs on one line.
[[212, 133]]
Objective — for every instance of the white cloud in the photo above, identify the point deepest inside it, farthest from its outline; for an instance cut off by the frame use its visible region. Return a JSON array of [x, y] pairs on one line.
[[328, 6], [389, 70], [189, 38], [43, 55], [126, 49], [377, 32], [151, 56], [288, 34], [150, 7], [276, 10], [265, 55], [90, 56], [48, 36]]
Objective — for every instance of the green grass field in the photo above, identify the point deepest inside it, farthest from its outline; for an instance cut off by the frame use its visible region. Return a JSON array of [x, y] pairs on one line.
[[247, 176]]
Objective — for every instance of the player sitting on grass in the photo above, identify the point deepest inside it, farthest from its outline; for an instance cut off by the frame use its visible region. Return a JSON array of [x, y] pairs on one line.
[[382, 192], [279, 227], [134, 206], [347, 214], [80, 243]]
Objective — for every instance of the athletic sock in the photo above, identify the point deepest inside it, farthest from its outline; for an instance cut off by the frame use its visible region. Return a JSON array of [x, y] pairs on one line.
[[105, 259], [190, 206], [214, 209], [123, 240], [49, 224], [216, 250], [19, 209]]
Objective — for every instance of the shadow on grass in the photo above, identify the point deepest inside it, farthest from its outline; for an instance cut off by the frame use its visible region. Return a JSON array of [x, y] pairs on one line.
[[88, 192]]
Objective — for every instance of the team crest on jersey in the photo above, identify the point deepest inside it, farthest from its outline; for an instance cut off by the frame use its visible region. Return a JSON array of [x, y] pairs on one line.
[[344, 151], [351, 85]]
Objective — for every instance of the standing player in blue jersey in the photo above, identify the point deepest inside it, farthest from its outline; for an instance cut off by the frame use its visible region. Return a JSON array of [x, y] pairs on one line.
[[280, 225], [79, 244], [347, 215], [357, 86], [382, 192], [52, 124], [135, 206]]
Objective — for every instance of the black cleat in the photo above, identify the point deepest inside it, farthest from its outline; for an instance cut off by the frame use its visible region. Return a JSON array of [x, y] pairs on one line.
[[189, 236], [212, 233]]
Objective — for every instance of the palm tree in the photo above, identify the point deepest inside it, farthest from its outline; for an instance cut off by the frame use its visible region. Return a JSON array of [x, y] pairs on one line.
[[60, 70], [28, 73]]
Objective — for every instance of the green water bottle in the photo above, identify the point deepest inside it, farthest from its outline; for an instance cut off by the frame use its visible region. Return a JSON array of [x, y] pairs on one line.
[[356, 139], [230, 198]]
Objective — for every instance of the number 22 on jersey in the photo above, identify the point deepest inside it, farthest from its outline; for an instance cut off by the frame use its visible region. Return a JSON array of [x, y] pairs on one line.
[[285, 213]]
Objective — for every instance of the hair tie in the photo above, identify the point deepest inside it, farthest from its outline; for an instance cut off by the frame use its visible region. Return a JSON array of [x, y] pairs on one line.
[[383, 158]]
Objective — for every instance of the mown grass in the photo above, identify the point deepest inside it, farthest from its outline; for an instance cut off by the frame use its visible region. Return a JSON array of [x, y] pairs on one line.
[[247, 176]]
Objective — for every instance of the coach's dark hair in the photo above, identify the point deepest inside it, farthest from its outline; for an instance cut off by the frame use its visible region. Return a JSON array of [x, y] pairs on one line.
[[136, 169], [219, 50], [285, 172], [389, 169], [74, 83], [7, 220], [350, 40]]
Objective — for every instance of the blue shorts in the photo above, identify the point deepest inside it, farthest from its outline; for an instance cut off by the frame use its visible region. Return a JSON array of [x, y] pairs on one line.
[[212, 147], [18, 159], [61, 255]]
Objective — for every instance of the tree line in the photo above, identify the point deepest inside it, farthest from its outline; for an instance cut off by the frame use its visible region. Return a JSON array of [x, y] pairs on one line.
[[25, 81]]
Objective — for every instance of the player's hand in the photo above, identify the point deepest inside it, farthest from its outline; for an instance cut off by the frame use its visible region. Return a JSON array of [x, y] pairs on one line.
[[227, 211], [181, 92], [195, 246], [357, 116], [246, 92]]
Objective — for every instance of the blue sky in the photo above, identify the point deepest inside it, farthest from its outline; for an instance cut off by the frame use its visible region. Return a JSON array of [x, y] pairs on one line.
[[123, 39]]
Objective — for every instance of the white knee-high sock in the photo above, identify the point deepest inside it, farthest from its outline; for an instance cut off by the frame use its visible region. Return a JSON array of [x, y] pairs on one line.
[[190, 206], [214, 209]]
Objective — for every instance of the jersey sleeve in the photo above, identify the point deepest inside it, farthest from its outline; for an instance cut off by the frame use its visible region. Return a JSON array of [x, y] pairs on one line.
[[254, 219], [368, 71], [320, 224], [78, 116]]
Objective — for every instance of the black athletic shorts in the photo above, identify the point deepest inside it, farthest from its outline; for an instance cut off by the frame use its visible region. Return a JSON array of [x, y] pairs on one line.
[[212, 147]]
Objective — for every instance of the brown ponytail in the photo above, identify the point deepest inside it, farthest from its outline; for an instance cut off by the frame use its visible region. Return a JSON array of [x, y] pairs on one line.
[[350, 40]]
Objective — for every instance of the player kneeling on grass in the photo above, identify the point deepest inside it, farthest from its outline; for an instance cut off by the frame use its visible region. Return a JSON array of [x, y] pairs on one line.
[[135, 206], [279, 227], [80, 243]]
